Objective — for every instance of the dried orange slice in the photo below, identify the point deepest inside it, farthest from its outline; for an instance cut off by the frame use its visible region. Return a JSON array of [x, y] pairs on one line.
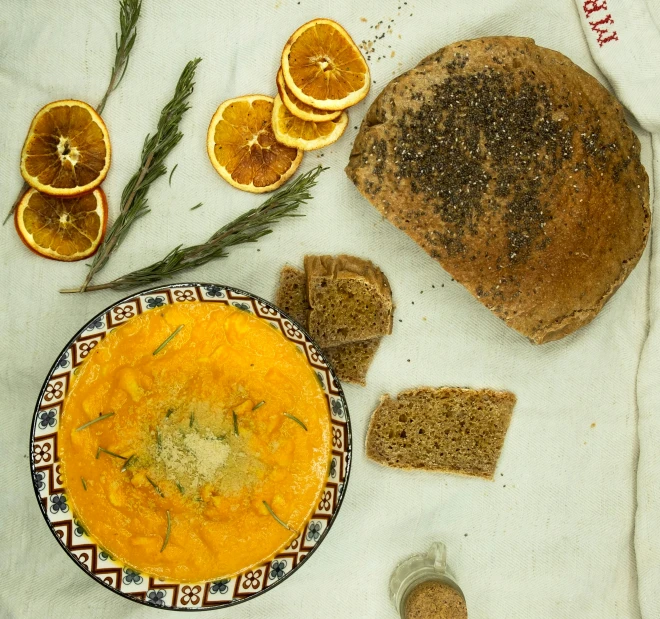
[[62, 228], [243, 149], [304, 134], [323, 67], [300, 109], [67, 149]]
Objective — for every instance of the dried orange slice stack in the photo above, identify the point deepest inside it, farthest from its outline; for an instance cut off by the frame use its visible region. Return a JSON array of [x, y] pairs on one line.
[[65, 158], [322, 73]]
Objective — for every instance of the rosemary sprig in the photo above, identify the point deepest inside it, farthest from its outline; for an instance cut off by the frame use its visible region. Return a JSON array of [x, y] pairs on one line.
[[84, 484], [246, 228], [129, 12], [169, 530], [152, 166], [258, 405], [93, 421], [101, 450], [170, 337], [277, 518], [293, 418], [235, 416], [128, 462], [155, 485]]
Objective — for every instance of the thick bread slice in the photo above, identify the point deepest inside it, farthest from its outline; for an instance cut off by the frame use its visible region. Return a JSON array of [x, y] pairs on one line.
[[516, 170], [350, 361], [351, 300], [448, 429]]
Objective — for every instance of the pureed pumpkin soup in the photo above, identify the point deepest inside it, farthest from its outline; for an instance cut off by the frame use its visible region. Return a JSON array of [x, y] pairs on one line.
[[195, 442]]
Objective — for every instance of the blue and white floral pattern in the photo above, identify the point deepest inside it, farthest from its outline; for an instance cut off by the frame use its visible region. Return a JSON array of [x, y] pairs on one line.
[[96, 324], [48, 419], [39, 482], [214, 291], [244, 307], [153, 302], [132, 577], [220, 586], [337, 408], [333, 468], [58, 504], [314, 531], [277, 569], [78, 530], [157, 598], [63, 360]]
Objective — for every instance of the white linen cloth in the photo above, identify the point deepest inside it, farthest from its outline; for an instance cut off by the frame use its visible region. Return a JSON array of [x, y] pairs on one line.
[[554, 536]]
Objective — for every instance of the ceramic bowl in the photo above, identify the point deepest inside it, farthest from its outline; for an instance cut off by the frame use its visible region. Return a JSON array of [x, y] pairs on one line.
[[83, 550]]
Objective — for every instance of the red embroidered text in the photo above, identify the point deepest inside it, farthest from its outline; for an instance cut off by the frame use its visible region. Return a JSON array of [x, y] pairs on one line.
[[600, 26]]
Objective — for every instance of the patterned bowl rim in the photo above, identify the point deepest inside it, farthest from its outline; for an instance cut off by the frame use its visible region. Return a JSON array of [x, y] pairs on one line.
[[347, 449]]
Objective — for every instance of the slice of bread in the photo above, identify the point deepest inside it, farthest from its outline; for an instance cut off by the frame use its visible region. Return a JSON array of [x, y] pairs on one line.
[[434, 599], [449, 429], [350, 361], [291, 296], [351, 300]]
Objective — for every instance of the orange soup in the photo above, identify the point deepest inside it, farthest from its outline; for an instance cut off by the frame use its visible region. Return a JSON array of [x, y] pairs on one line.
[[195, 442]]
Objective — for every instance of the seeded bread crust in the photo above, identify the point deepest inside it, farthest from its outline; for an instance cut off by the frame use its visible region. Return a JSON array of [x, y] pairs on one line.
[[351, 300], [449, 429], [516, 170], [351, 361]]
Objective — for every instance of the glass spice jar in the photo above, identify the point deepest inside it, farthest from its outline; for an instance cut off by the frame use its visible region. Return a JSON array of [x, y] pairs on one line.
[[419, 569]]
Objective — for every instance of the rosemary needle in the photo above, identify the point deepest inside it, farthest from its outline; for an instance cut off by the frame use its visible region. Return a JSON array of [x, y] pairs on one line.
[[235, 422], [258, 405], [152, 166], [180, 487], [155, 485], [170, 337], [246, 228], [129, 13], [172, 174], [169, 412], [84, 484], [101, 450], [293, 418], [169, 529], [93, 421], [197, 206], [277, 518], [128, 462], [192, 419]]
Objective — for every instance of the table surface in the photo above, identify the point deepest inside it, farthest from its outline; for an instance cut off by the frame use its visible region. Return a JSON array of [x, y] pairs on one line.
[[550, 537]]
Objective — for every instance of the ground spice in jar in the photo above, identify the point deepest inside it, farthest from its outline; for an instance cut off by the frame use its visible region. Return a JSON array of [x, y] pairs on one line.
[[435, 600]]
